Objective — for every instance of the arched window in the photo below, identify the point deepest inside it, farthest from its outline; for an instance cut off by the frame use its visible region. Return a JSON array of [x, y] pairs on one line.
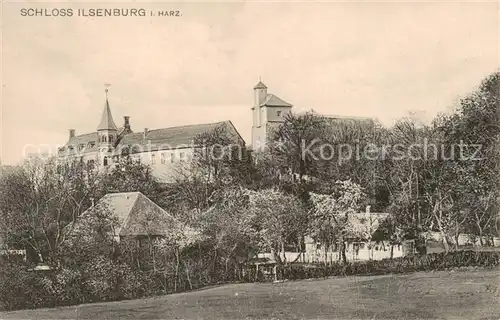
[[104, 139], [110, 138], [105, 161]]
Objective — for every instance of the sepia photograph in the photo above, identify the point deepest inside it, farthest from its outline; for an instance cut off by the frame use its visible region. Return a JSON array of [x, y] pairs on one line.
[[275, 160]]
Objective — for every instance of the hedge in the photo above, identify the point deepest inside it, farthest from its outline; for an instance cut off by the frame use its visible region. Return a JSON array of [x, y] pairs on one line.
[[106, 280], [430, 262]]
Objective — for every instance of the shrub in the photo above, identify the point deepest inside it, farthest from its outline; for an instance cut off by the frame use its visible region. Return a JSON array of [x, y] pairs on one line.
[[104, 279], [20, 288], [434, 261]]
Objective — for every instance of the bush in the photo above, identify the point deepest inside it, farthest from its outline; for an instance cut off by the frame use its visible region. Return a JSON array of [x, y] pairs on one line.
[[434, 261], [98, 280], [20, 288], [104, 279]]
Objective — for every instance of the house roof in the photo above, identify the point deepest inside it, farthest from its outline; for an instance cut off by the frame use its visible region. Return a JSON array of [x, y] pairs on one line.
[[137, 214], [272, 100], [346, 119], [89, 141], [107, 122], [333, 117], [260, 85], [174, 137]]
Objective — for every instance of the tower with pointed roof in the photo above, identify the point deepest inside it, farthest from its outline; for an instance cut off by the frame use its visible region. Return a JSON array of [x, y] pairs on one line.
[[106, 131], [268, 112]]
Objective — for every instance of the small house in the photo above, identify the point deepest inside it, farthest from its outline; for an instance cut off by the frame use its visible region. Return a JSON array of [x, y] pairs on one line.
[[138, 217]]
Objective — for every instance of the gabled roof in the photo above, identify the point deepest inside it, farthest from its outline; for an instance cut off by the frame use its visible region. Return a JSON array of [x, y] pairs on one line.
[[107, 122], [176, 137], [334, 118], [137, 214], [273, 101], [346, 118], [89, 141]]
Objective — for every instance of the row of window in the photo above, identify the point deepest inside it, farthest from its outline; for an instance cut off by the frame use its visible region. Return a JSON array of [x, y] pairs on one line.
[[357, 246], [90, 144], [170, 159], [105, 138]]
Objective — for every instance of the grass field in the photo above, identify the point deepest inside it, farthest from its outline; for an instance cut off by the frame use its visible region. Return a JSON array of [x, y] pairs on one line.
[[433, 295]]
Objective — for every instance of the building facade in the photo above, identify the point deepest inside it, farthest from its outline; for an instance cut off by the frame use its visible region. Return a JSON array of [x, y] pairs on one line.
[[164, 150]]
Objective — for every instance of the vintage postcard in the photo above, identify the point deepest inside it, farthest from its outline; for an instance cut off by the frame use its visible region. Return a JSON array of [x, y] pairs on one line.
[[250, 160]]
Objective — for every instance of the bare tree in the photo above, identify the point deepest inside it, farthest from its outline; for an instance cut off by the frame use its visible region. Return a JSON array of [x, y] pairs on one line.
[[40, 198]]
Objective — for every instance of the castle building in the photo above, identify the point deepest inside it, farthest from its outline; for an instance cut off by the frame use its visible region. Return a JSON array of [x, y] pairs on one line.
[[164, 150]]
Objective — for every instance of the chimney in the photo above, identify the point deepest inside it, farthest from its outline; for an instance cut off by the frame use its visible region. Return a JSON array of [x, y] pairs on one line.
[[126, 124], [146, 130], [71, 133]]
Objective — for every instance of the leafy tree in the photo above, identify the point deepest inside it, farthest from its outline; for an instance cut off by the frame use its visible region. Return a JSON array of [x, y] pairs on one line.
[[475, 128], [295, 144], [219, 161], [231, 228], [177, 240], [358, 155], [131, 175], [406, 165], [280, 219], [330, 214], [90, 236]]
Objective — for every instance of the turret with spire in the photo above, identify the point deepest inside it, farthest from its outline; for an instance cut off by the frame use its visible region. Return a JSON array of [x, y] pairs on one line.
[[106, 129]]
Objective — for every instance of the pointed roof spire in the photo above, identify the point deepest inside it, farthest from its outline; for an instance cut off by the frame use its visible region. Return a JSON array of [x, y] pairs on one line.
[[107, 122], [260, 85]]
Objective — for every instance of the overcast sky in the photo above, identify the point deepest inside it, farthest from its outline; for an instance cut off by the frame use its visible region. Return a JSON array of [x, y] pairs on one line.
[[363, 59]]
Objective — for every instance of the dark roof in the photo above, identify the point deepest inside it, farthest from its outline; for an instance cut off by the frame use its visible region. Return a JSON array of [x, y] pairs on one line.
[[347, 118], [260, 85], [89, 141], [176, 137], [336, 118], [137, 214], [273, 101], [107, 122], [83, 138]]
